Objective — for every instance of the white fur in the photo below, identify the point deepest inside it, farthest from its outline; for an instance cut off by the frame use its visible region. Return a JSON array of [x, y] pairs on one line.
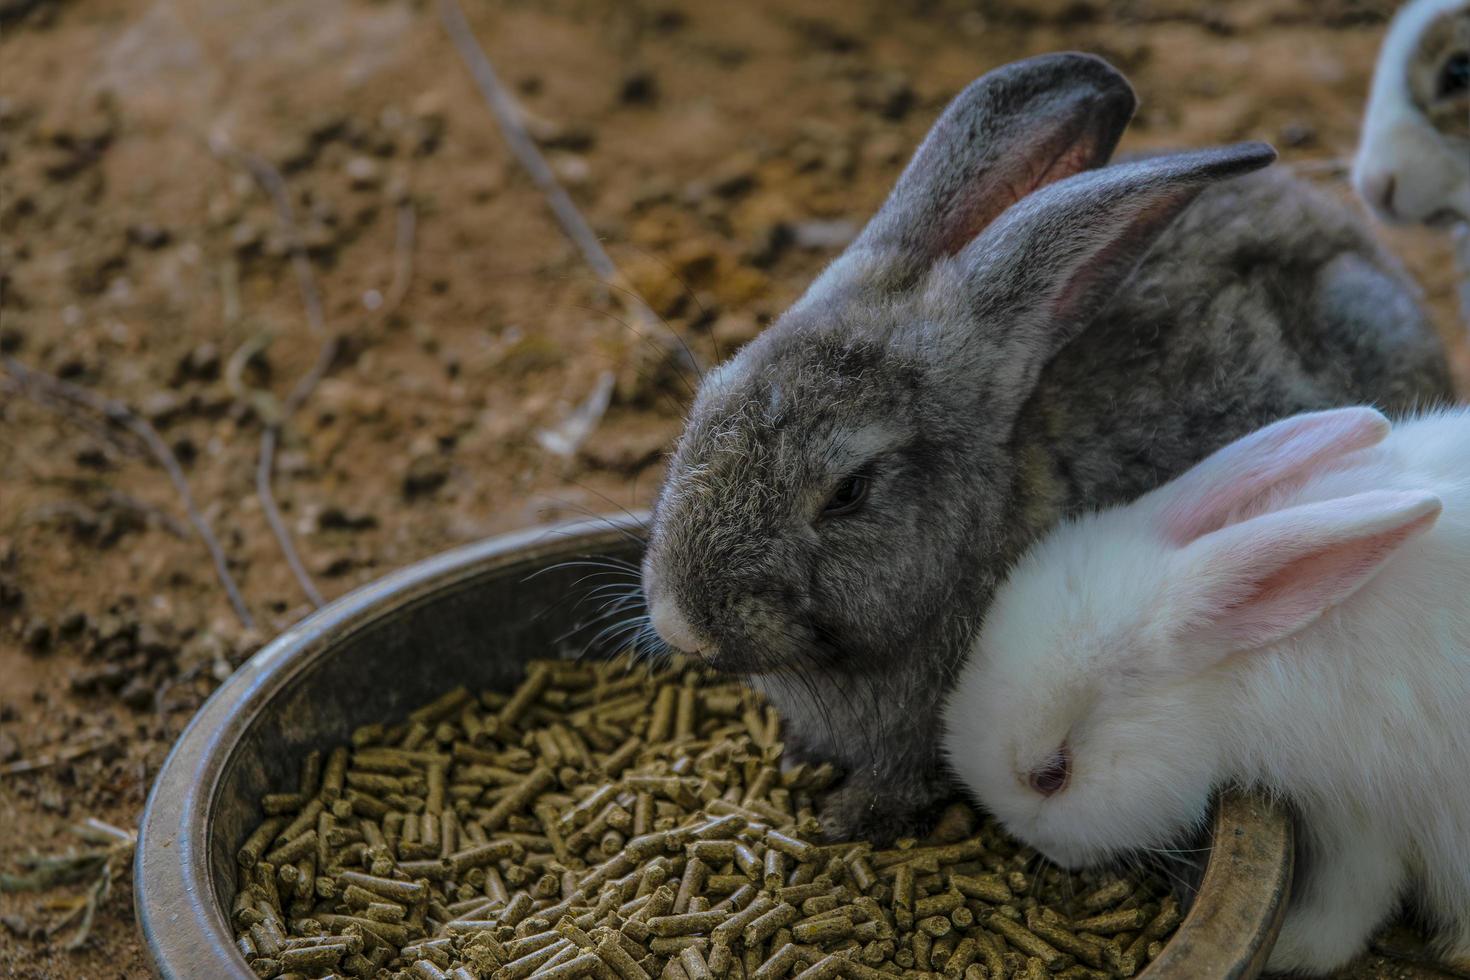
[[1359, 716], [1429, 170]]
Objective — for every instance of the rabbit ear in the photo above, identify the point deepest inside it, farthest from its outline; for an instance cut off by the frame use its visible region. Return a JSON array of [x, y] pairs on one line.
[[1227, 481], [1263, 580], [1038, 275], [1011, 131]]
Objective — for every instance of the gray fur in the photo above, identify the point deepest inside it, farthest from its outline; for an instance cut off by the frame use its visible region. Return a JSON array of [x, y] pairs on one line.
[[929, 351]]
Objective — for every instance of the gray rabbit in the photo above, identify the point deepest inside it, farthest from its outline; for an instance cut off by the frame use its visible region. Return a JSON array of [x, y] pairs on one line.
[[1020, 333]]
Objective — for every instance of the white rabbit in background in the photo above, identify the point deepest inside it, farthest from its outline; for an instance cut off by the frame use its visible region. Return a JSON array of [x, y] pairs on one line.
[[1292, 614], [1413, 164]]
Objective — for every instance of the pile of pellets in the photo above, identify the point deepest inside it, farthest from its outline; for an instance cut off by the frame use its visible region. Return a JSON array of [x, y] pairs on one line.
[[618, 823]]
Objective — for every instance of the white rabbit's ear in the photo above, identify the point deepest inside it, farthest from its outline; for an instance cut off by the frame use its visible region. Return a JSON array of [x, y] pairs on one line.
[[1203, 499], [1262, 580], [1011, 131]]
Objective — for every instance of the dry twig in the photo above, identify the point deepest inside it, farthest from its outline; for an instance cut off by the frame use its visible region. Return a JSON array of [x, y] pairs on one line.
[[114, 846], [69, 753], [508, 116], [271, 181], [402, 263], [98, 429], [51, 389]]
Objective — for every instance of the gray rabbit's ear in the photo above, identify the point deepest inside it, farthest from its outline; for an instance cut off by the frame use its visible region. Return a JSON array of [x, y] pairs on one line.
[[1011, 131], [1039, 274]]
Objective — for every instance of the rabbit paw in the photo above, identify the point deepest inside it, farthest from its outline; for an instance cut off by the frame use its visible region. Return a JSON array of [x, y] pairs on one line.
[[863, 810]]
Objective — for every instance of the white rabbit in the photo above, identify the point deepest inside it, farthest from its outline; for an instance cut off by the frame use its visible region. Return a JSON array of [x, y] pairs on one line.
[[1413, 162], [1292, 614]]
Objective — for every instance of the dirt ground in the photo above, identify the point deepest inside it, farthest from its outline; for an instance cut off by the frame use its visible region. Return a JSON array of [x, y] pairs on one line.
[[723, 152]]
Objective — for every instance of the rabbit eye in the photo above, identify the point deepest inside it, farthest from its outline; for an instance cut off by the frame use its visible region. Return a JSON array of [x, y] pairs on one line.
[[1054, 776], [1454, 77], [848, 496]]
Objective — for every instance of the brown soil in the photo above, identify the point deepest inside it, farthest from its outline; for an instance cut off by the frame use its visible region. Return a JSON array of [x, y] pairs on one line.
[[696, 136]]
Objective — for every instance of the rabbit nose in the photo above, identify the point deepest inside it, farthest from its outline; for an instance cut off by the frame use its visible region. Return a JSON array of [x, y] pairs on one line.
[[673, 628], [1378, 190]]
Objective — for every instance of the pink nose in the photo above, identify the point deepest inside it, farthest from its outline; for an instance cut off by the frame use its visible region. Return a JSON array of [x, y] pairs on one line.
[[674, 629]]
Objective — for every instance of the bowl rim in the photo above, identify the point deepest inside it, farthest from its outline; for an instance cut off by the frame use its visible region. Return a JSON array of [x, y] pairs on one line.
[[186, 934], [176, 903]]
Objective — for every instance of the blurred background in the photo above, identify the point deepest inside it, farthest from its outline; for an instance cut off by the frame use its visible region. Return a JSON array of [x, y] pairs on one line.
[[722, 152]]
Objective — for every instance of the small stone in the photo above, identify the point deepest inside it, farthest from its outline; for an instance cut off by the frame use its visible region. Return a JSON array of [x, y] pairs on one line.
[[148, 236], [734, 178], [363, 173], [559, 136], [161, 406], [110, 676], [205, 648], [294, 462], [572, 170], [155, 642], [296, 153], [138, 694], [112, 626], [245, 237], [335, 566], [319, 238], [200, 364], [426, 473]]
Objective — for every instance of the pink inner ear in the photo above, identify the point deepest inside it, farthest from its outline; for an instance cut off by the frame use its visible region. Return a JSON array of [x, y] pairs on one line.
[[1288, 576], [1281, 454], [1131, 239], [1046, 157]]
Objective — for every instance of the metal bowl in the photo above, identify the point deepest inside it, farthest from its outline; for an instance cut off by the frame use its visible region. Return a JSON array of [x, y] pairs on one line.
[[473, 616]]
